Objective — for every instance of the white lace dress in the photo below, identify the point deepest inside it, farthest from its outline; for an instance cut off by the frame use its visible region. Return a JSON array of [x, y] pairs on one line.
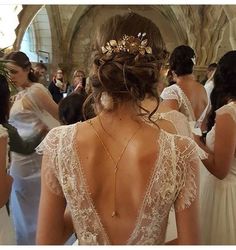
[[25, 116], [172, 182], [7, 236], [178, 120], [218, 202], [181, 125], [174, 92]]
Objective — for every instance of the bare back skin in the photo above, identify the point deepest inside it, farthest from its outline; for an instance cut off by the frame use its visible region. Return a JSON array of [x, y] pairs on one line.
[[197, 96], [136, 146], [194, 92], [134, 171]]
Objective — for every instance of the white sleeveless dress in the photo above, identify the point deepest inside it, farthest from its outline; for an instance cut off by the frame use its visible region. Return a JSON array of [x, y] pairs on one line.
[[218, 199], [26, 169], [7, 236]]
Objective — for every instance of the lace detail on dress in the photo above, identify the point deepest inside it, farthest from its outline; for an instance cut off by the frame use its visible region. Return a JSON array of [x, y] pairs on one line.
[[178, 120], [176, 93], [49, 147], [67, 176], [188, 158], [172, 94], [229, 108], [173, 180]]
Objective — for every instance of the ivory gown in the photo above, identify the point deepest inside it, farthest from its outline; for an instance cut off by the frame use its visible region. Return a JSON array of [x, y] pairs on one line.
[[218, 206], [177, 164], [25, 116]]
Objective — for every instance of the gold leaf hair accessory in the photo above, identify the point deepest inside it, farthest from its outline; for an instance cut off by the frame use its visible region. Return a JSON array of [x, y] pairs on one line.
[[130, 44]]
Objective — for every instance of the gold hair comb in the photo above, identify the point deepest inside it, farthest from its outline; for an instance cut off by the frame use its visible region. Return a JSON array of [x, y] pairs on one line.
[[130, 44]]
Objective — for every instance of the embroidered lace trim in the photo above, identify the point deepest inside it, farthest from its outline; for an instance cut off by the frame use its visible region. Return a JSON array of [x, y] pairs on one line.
[[178, 120], [174, 181], [176, 93]]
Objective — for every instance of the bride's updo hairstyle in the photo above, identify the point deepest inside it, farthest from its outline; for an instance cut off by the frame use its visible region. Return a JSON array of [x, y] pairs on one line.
[[182, 60], [129, 73]]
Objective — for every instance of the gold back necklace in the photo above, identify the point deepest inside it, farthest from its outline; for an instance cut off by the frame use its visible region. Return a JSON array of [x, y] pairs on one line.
[[116, 163]]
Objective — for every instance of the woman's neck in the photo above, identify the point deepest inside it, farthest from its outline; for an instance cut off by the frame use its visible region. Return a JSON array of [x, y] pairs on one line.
[[185, 78], [27, 84], [123, 113]]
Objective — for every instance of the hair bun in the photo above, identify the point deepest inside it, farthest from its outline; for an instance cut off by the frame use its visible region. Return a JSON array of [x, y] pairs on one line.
[[182, 60], [125, 75]]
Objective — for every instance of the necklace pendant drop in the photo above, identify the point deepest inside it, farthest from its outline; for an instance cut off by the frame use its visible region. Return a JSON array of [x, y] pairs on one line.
[[114, 214]]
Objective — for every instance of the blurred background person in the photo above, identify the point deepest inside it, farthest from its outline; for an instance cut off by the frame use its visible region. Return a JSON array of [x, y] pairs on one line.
[[170, 78], [209, 84], [209, 72], [32, 104], [12, 141], [187, 95], [218, 198], [71, 109], [78, 83], [58, 86], [40, 71], [6, 228]]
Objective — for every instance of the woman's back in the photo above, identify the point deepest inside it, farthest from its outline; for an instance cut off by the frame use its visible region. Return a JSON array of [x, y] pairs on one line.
[[197, 96], [148, 180], [120, 176], [188, 98], [187, 95]]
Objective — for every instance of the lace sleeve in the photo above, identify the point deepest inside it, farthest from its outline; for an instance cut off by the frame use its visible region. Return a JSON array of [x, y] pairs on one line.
[[43, 99], [228, 109], [179, 121], [170, 93], [50, 169], [188, 165]]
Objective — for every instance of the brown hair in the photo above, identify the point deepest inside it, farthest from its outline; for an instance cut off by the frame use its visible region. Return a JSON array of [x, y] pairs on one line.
[[41, 66], [122, 75], [21, 59], [78, 71], [131, 24]]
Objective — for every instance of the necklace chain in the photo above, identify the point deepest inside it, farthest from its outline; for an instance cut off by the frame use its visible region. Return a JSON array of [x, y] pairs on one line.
[[114, 213]]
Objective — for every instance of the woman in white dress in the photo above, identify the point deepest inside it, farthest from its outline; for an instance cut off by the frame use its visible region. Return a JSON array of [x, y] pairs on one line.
[[33, 105], [187, 96], [120, 191], [218, 202]]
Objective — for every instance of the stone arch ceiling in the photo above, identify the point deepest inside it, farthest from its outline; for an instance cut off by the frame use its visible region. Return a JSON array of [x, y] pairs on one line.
[[85, 28], [209, 29], [25, 17], [42, 31]]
